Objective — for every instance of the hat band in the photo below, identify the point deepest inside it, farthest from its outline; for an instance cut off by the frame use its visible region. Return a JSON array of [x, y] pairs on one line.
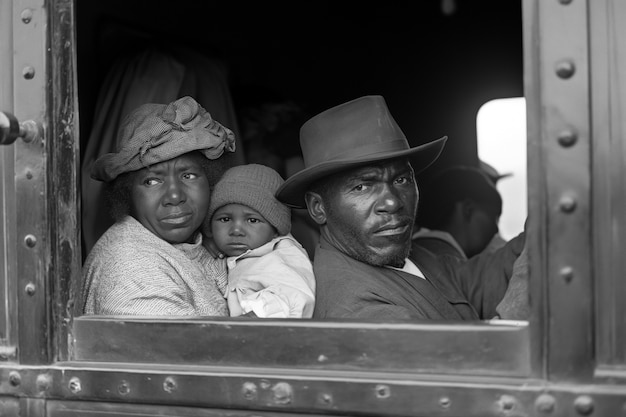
[[370, 150]]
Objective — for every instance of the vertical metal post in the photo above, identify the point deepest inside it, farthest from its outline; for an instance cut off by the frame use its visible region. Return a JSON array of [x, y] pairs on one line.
[[8, 264], [562, 79], [32, 239]]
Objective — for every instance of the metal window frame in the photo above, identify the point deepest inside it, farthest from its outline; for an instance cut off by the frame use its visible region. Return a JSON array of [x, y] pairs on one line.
[[343, 367]]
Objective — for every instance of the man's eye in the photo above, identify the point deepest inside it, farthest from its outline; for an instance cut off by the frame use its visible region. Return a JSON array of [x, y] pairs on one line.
[[403, 180], [360, 187], [189, 176]]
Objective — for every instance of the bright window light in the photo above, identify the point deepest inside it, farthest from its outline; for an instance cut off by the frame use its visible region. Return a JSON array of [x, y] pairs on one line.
[[501, 133]]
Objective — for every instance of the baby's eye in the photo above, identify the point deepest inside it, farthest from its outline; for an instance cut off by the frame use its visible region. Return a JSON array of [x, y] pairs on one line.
[[222, 219], [253, 220]]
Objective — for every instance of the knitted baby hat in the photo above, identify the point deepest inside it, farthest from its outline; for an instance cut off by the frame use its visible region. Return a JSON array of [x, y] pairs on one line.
[[253, 185]]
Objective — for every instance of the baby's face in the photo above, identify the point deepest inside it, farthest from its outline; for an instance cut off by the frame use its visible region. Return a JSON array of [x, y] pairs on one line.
[[237, 228]]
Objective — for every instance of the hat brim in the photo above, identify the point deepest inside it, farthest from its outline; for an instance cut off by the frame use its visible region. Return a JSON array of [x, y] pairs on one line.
[[292, 191]]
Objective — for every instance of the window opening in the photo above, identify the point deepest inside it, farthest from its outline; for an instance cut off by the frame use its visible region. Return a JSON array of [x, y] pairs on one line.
[[501, 135]]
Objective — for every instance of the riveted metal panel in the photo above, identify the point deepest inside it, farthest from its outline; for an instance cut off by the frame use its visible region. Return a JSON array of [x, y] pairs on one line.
[[32, 238], [8, 261], [564, 139], [169, 391]]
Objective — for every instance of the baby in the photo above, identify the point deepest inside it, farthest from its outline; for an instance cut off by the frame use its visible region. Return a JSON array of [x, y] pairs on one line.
[[269, 272]]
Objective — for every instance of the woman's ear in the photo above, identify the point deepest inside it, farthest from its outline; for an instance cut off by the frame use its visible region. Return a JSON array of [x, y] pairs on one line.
[[315, 207]]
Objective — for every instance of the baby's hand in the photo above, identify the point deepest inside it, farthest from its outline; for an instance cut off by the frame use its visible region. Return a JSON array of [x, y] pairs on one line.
[[211, 247]]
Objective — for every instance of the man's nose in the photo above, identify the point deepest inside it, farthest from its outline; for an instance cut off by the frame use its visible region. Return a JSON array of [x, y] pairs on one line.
[[389, 200]]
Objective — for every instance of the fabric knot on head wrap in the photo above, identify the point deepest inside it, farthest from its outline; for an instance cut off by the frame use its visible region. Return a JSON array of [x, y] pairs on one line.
[[156, 133]]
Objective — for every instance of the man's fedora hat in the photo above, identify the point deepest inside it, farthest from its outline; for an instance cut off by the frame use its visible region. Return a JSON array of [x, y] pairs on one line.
[[350, 135]]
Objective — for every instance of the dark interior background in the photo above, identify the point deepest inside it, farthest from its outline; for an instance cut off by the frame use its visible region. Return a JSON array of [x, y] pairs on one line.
[[435, 61]]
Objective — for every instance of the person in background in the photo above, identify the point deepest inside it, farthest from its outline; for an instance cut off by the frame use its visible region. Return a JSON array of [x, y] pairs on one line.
[[269, 272], [458, 213], [151, 261], [359, 185]]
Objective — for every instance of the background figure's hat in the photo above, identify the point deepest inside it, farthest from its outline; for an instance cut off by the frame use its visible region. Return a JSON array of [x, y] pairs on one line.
[[492, 173], [439, 195], [349, 135]]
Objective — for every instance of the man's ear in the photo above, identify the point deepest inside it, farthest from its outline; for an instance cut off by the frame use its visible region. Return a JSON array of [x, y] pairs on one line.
[[315, 206]]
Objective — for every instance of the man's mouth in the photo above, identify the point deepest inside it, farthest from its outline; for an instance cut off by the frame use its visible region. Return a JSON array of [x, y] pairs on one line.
[[392, 229]]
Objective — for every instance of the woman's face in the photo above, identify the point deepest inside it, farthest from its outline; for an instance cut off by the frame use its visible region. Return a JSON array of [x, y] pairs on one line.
[[172, 198]]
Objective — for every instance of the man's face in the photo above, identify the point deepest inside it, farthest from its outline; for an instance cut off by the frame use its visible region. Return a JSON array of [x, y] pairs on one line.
[[370, 212], [171, 198]]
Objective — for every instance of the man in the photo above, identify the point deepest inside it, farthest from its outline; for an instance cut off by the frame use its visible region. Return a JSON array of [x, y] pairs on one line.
[[458, 213], [358, 184]]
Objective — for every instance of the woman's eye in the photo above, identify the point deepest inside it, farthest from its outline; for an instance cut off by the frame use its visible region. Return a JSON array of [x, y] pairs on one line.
[[151, 181]]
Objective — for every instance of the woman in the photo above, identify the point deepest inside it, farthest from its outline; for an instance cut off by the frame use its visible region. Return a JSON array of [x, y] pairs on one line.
[[152, 260]]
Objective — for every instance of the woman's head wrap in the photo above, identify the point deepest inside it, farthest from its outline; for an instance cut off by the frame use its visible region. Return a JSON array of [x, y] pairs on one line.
[[156, 133]]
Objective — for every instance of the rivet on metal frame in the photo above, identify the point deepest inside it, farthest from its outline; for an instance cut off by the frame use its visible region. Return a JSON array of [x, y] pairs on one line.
[[28, 72], [567, 203], [383, 391], [325, 399], [545, 403], [75, 385], [445, 402], [567, 273], [283, 393], [44, 382], [584, 405], [169, 385], [249, 391], [123, 388], [27, 16], [507, 402], [15, 378], [565, 69], [30, 289], [30, 240], [567, 138]]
